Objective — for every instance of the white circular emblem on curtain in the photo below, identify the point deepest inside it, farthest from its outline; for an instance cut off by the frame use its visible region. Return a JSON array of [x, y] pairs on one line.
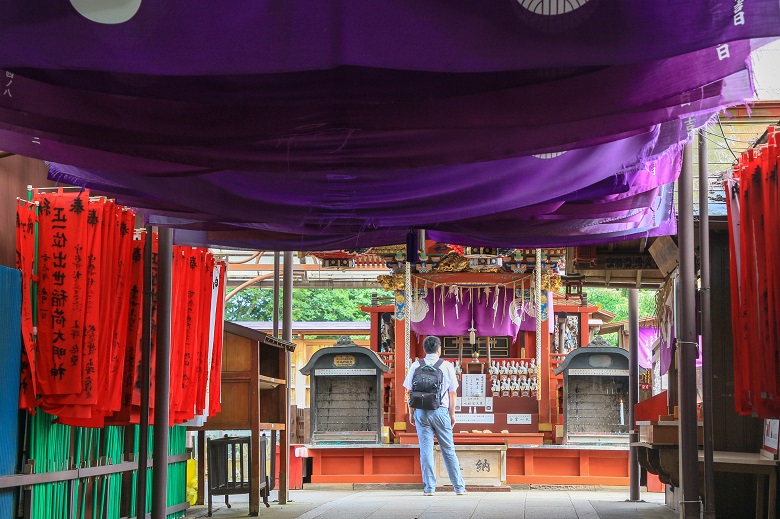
[[549, 155], [551, 7], [418, 310], [516, 311], [109, 12]]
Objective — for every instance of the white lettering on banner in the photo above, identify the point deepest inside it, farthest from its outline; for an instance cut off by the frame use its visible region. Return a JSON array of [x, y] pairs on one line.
[[690, 124], [723, 51], [9, 78], [739, 13], [518, 419], [473, 418]]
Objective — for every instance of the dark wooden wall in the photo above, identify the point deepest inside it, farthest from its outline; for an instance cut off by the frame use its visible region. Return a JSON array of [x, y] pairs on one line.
[[16, 173], [734, 493]]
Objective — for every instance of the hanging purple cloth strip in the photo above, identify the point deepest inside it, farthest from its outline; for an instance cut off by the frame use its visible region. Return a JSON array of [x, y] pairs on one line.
[[647, 337], [181, 37]]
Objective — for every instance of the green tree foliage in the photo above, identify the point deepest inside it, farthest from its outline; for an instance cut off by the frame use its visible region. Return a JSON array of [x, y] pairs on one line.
[[251, 304], [615, 300], [309, 305]]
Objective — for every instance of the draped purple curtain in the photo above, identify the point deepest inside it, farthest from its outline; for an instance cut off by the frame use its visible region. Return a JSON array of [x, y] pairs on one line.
[[494, 311], [328, 124]]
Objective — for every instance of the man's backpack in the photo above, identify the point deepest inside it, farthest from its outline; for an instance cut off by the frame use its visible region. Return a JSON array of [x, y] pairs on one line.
[[426, 386]]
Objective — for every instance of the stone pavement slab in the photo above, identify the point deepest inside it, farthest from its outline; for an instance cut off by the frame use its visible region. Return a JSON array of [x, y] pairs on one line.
[[340, 503]]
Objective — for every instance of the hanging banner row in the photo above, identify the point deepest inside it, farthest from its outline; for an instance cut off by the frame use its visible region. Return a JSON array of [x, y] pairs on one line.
[[82, 272]]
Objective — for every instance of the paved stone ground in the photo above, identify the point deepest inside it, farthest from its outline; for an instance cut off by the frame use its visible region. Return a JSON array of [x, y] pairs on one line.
[[348, 503]]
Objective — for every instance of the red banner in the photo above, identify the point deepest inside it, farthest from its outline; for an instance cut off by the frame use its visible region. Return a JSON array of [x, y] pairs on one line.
[[90, 302], [215, 381], [123, 234], [135, 316], [206, 337], [753, 200], [93, 245], [62, 291], [26, 220]]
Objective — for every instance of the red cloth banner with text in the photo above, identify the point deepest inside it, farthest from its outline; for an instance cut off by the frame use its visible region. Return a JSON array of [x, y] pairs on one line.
[[62, 291]]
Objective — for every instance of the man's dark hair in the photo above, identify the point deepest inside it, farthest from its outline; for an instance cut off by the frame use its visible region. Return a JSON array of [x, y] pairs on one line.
[[431, 344]]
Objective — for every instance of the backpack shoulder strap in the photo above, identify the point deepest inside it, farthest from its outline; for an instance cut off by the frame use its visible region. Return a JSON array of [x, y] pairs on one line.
[[438, 363], [421, 362]]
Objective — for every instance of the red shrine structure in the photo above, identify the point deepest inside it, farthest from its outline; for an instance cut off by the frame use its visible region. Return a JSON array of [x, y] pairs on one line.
[[510, 412]]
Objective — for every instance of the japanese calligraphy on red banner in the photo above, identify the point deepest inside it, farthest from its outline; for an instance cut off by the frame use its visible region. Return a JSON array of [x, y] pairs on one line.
[[215, 373], [90, 315], [62, 291]]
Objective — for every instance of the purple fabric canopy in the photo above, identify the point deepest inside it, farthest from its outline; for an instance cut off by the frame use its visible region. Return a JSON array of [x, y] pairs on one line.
[[196, 37], [330, 124]]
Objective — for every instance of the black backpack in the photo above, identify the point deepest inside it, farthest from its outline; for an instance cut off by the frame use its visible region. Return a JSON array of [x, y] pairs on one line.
[[426, 386]]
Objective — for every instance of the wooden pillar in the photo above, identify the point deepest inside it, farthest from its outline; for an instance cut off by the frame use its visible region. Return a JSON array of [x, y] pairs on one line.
[[254, 428], [284, 444], [162, 373], [584, 327], [546, 383], [706, 330], [201, 467], [633, 391], [399, 373], [687, 346]]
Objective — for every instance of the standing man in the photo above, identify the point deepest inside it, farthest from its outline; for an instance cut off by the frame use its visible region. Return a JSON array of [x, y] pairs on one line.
[[438, 421]]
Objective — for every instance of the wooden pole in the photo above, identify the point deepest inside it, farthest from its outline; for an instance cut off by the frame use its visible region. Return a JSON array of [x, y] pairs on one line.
[[687, 347], [146, 352], [162, 373], [633, 391], [538, 304], [284, 447], [706, 331]]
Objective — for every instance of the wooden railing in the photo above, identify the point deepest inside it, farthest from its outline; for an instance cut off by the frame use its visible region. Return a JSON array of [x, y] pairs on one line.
[[556, 359], [388, 357]]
